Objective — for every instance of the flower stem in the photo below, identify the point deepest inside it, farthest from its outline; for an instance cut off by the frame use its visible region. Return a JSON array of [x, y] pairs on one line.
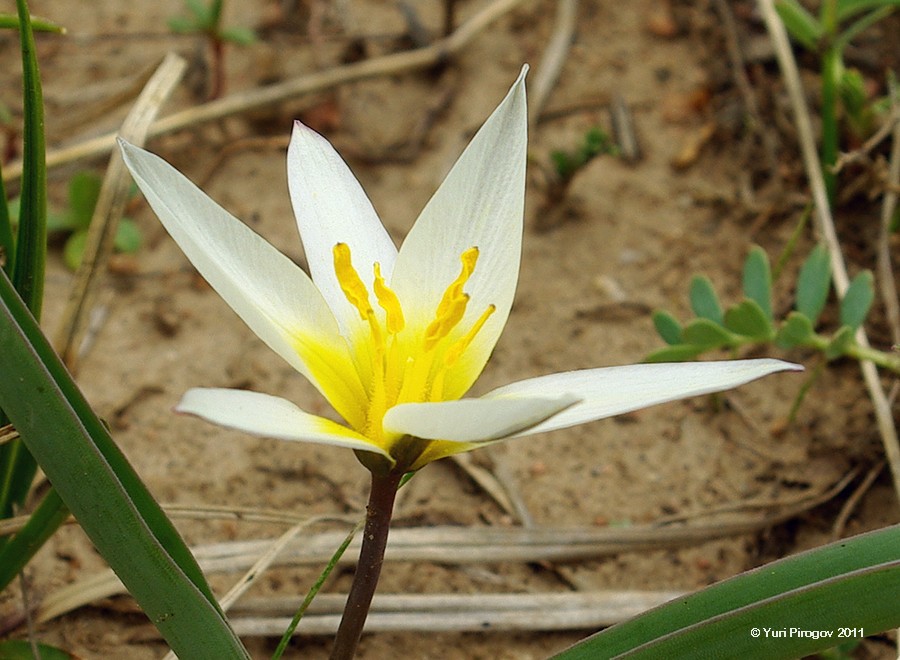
[[368, 569]]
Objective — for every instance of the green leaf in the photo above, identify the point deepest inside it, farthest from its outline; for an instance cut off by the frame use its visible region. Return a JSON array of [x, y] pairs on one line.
[[802, 26], [667, 326], [758, 280], [849, 8], [241, 36], [7, 244], [84, 191], [73, 250], [708, 334], [17, 551], [20, 649], [858, 300], [704, 301], [813, 284], [676, 353], [128, 236], [11, 21], [748, 319], [17, 467], [182, 25], [796, 331], [31, 242], [839, 343], [113, 506], [848, 584]]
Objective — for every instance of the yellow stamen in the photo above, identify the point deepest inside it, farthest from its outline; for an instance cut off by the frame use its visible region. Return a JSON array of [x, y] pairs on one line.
[[389, 303], [350, 282], [460, 345], [453, 303]]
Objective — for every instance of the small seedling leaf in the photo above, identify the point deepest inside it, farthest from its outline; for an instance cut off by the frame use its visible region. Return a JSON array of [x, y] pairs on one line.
[[73, 251], [182, 25], [84, 191], [801, 25], [667, 326], [706, 333], [676, 353], [242, 36], [858, 300], [128, 236], [749, 319], [813, 283], [839, 343], [758, 280], [704, 301], [848, 8], [796, 331]]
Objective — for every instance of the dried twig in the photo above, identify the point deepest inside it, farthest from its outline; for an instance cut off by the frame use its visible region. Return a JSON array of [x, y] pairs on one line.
[[837, 529], [458, 612], [111, 205], [732, 44], [420, 58], [553, 59], [454, 545], [791, 75]]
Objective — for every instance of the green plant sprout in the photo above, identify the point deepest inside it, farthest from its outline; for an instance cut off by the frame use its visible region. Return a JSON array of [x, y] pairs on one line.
[[823, 35], [566, 164], [751, 321], [84, 190], [206, 20]]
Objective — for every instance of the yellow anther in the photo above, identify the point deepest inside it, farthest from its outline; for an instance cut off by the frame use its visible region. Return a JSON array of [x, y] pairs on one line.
[[389, 303], [350, 282], [453, 303], [460, 345], [454, 291]]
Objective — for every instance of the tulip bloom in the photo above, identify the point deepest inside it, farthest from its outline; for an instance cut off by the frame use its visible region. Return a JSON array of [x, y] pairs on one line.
[[394, 339]]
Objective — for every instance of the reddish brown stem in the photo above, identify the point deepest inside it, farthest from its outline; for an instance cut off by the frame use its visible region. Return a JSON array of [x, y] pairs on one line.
[[368, 569]]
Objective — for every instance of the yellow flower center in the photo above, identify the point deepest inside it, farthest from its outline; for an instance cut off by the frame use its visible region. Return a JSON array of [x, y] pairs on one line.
[[403, 367]]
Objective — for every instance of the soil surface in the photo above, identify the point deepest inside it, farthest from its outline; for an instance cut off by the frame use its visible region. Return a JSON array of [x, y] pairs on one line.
[[625, 240]]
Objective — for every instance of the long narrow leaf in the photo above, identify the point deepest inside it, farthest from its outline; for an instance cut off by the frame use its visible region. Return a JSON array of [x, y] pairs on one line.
[[17, 467], [99, 486], [43, 522], [852, 583], [7, 251], [848, 8], [37, 24], [31, 243]]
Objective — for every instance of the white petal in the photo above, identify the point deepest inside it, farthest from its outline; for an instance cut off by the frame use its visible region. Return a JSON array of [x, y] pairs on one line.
[[473, 420], [266, 289], [616, 390], [269, 416], [480, 204], [331, 207]]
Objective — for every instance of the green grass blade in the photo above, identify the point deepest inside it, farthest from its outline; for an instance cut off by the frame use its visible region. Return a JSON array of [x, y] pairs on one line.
[[43, 522], [7, 249], [31, 243], [851, 583], [17, 467], [113, 506]]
